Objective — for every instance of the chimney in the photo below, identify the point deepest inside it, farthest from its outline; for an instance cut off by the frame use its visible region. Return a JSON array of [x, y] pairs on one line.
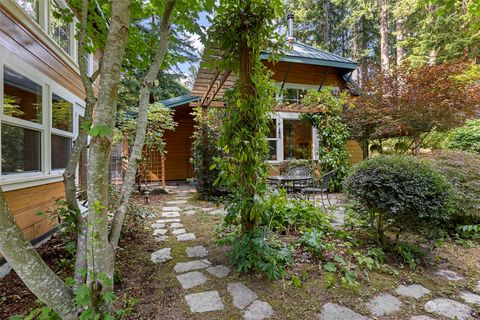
[[290, 37]]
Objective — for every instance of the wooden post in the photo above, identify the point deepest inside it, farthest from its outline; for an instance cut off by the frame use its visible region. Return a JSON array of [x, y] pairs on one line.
[[162, 160]]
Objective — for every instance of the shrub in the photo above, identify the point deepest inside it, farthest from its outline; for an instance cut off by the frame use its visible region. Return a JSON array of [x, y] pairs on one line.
[[462, 170], [466, 138], [400, 192], [291, 216]]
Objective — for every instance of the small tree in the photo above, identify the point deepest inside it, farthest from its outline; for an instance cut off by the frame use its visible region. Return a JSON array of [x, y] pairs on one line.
[[332, 132]]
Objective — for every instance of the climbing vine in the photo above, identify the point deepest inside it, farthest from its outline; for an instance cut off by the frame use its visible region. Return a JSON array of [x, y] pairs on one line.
[[332, 132]]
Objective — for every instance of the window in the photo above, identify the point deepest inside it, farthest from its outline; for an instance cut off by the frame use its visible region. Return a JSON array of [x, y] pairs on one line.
[[292, 95], [61, 148], [62, 114], [297, 139], [30, 7], [59, 29], [21, 150], [22, 97], [272, 138]]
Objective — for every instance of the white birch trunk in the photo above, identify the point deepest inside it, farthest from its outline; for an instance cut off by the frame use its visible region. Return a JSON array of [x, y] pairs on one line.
[[30, 267], [141, 127], [100, 255]]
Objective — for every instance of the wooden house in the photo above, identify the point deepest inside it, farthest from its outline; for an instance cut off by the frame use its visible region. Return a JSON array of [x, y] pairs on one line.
[[300, 68], [42, 98]]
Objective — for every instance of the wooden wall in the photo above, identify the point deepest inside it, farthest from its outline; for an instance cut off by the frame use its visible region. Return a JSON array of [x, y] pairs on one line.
[[25, 205], [178, 147], [354, 152], [16, 38], [305, 74]]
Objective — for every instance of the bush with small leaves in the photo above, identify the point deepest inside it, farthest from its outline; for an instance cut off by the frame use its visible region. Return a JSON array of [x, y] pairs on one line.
[[400, 193]]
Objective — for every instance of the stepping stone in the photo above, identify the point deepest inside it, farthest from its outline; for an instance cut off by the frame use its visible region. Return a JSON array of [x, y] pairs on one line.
[[207, 209], [449, 275], [413, 291], [219, 271], [168, 220], [176, 225], [186, 237], [191, 279], [176, 202], [179, 231], [191, 208], [421, 318], [157, 225], [217, 212], [196, 252], [384, 304], [159, 232], [161, 238], [190, 212], [333, 311], [191, 265], [470, 297], [478, 285], [449, 308], [242, 296], [170, 214], [204, 301], [258, 310], [171, 209], [161, 256]]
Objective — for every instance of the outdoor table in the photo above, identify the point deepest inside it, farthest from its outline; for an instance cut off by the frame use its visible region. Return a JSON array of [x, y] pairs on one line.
[[290, 182]]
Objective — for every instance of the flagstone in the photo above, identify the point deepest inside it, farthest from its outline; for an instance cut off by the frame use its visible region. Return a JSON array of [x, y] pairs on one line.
[[191, 279], [161, 238], [158, 225], [258, 310], [176, 225], [160, 232], [333, 311], [171, 209], [219, 271], [176, 202], [421, 318], [168, 220], [470, 297], [186, 237], [190, 212], [204, 301], [384, 304], [241, 294], [161, 255], [179, 231], [196, 252], [170, 214], [449, 308], [449, 275], [191, 265], [413, 291]]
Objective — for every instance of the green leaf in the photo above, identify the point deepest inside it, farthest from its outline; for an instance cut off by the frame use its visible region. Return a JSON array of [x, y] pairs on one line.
[[330, 267], [101, 131]]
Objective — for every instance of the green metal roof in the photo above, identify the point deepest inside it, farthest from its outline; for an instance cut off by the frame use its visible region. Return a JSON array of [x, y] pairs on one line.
[[302, 53], [180, 100]]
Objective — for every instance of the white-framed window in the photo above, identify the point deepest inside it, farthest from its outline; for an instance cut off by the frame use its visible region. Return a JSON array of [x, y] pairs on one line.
[[38, 122], [31, 8], [273, 138], [59, 29]]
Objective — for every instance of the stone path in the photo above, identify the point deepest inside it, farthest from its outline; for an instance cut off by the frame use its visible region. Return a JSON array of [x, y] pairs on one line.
[[195, 271]]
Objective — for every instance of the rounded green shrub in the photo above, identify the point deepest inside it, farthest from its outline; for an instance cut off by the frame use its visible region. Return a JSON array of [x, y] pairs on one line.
[[400, 193]]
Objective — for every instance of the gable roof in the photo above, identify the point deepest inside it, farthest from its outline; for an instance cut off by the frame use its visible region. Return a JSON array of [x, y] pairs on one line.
[[303, 53], [180, 100]]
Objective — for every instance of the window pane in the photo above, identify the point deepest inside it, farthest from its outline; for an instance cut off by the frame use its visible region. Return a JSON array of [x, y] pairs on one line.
[[62, 114], [61, 149], [272, 129], [20, 150], [273, 149], [290, 95], [22, 97], [297, 142], [59, 29], [30, 7]]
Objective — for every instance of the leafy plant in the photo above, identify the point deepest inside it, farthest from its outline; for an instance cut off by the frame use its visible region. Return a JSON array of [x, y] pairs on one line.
[[411, 253], [332, 143], [469, 231], [467, 137], [313, 240], [400, 193]]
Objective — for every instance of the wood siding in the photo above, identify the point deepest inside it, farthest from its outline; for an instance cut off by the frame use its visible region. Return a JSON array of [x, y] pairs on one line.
[[17, 39], [26, 204], [178, 147], [305, 74]]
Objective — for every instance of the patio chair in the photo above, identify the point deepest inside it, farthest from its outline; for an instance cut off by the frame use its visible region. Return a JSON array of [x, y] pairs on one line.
[[321, 187], [300, 171]]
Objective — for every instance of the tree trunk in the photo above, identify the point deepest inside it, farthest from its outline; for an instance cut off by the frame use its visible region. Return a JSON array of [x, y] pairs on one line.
[[364, 146], [326, 25], [141, 126], [356, 53], [384, 49], [100, 255], [418, 141], [30, 267], [78, 146], [399, 28], [364, 63]]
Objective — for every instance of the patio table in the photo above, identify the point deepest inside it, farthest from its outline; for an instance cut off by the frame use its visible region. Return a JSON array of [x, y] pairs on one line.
[[290, 183]]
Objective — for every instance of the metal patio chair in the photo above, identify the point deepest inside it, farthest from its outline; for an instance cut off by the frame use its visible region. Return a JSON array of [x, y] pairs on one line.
[[320, 187]]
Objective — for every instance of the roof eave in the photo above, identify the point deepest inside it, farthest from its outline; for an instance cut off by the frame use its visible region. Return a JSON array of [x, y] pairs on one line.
[[181, 102], [313, 61]]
